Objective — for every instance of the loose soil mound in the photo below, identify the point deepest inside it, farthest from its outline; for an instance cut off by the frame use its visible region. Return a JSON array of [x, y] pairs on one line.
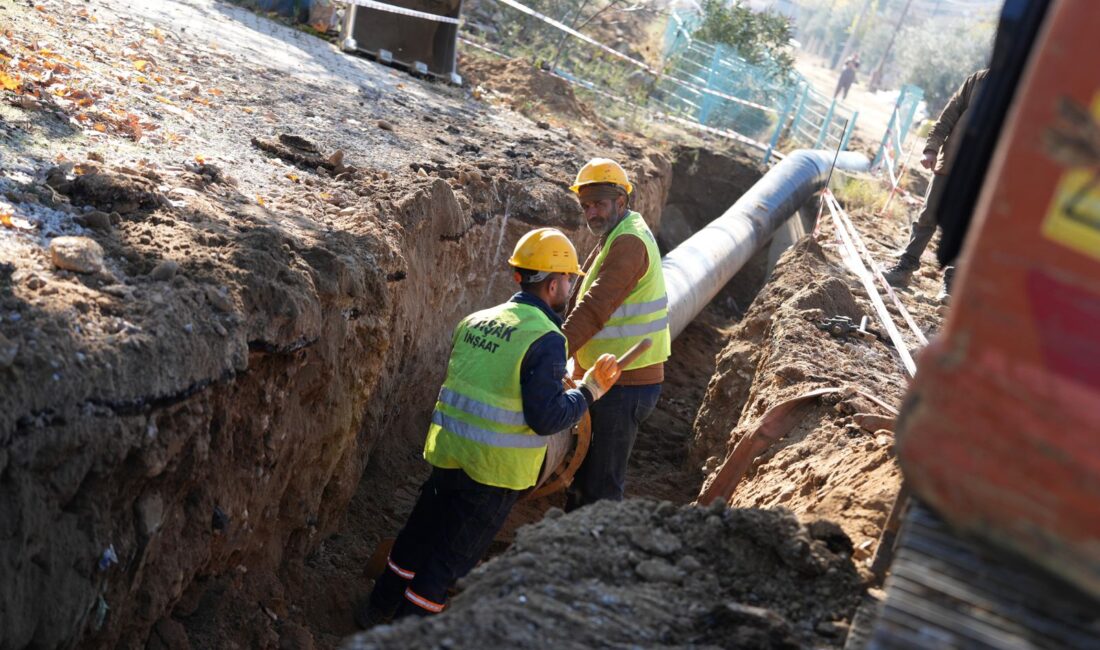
[[529, 90], [645, 574], [827, 466]]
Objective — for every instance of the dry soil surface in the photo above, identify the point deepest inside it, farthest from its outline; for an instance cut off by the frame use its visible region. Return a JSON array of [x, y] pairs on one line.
[[829, 466]]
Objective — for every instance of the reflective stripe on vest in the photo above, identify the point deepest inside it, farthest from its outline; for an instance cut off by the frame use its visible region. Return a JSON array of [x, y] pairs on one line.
[[478, 424], [486, 437], [481, 409], [643, 314], [640, 308], [639, 329]]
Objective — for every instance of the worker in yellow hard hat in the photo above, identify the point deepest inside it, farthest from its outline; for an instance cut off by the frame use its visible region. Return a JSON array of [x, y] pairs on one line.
[[620, 302], [502, 393]]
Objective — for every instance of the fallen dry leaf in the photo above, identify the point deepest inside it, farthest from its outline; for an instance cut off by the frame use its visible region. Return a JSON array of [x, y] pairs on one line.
[[260, 200], [140, 65], [135, 127], [101, 127], [293, 177], [8, 82], [200, 160], [9, 220]]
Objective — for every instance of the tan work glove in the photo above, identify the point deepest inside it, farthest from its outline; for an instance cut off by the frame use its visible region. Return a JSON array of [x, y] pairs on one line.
[[601, 377]]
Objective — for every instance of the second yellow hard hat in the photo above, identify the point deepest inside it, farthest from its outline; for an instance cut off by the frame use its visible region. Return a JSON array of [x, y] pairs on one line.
[[547, 250], [602, 170]]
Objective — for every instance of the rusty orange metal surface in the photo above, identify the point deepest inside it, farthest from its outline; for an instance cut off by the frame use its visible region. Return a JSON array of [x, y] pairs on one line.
[[1001, 428]]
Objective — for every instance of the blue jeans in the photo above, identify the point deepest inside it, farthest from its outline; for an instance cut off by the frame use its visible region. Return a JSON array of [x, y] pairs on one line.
[[615, 420], [451, 527]]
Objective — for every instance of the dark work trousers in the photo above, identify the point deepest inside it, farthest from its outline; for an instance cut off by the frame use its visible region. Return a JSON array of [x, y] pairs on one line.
[[451, 527], [924, 228], [615, 420]]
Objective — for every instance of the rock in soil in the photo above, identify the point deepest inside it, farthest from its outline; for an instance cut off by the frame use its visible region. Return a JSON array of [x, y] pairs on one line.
[[78, 254], [760, 579], [164, 271], [95, 219]]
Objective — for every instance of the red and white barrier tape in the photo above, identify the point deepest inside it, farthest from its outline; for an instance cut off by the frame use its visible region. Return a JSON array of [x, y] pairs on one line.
[[869, 285], [913, 327]]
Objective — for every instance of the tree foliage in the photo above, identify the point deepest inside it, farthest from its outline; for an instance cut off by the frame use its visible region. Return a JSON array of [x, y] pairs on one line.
[[938, 55], [759, 37], [933, 53]]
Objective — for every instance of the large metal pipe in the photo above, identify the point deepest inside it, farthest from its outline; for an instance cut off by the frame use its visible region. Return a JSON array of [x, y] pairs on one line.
[[696, 270]]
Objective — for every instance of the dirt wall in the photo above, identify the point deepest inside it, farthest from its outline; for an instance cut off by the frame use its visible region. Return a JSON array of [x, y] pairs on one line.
[[273, 241], [221, 429]]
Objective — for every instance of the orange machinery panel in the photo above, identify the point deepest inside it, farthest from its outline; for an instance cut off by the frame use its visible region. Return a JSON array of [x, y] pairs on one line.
[[1001, 429]]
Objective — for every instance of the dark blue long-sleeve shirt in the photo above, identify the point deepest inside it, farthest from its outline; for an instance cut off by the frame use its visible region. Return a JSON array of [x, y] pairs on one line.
[[547, 406]]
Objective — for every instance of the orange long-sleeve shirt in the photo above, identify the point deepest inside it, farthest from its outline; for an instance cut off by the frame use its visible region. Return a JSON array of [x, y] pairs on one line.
[[624, 266]]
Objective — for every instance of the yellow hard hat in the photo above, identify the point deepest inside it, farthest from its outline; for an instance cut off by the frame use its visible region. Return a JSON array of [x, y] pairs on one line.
[[602, 170], [546, 250]]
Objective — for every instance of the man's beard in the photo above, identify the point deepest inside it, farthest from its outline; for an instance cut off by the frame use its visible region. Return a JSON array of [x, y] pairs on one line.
[[600, 226]]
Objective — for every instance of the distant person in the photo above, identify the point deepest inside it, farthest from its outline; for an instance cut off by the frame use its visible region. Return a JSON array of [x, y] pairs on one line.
[[847, 76], [503, 393], [938, 156]]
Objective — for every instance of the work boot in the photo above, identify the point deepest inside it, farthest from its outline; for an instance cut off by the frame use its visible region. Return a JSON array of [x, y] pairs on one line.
[[367, 615], [944, 296], [899, 275]]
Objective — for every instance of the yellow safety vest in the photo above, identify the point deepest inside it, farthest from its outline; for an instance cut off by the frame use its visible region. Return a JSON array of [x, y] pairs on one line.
[[478, 424], [643, 314]]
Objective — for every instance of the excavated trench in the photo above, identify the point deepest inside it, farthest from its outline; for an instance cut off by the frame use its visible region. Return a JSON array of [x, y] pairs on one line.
[[203, 437], [216, 498], [328, 580], [787, 565]]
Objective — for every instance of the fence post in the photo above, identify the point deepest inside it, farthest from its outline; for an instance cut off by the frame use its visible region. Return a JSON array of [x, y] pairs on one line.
[[787, 105], [889, 129], [709, 100], [825, 125], [801, 106], [915, 95], [848, 131]]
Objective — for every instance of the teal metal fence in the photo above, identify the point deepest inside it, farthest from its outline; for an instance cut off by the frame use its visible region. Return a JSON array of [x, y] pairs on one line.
[[701, 84], [718, 88], [890, 151], [820, 121]]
